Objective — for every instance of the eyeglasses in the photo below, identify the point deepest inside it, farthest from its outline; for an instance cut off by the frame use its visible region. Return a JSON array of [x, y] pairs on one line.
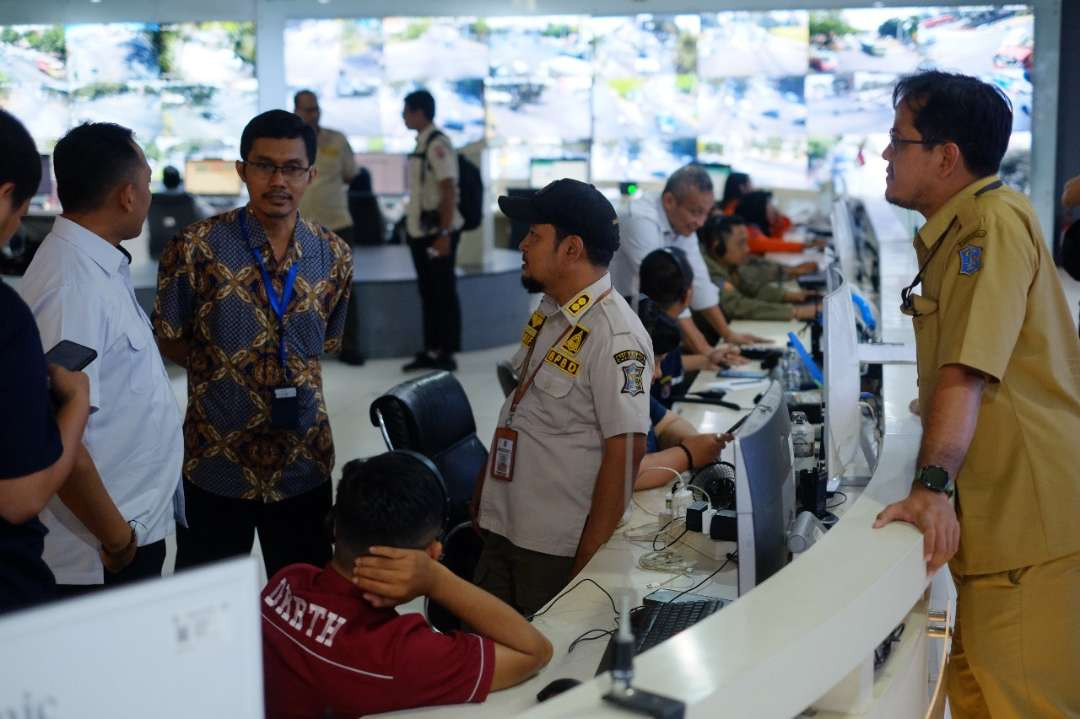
[[266, 170], [896, 142]]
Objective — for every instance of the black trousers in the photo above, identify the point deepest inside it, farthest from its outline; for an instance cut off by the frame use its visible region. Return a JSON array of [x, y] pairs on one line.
[[290, 531], [148, 561], [438, 294]]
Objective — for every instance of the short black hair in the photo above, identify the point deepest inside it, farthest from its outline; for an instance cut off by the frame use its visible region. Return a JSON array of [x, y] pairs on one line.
[[662, 329], [950, 107], [20, 163], [299, 93], [90, 162], [666, 275], [688, 177], [753, 209], [598, 249], [733, 187], [170, 177], [423, 101], [714, 233], [389, 500], [278, 125]]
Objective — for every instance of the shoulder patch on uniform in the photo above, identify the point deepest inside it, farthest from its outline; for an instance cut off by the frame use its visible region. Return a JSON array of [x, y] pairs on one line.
[[629, 355], [580, 303], [633, 379], [576, 340], [971, 257], [561, 361]]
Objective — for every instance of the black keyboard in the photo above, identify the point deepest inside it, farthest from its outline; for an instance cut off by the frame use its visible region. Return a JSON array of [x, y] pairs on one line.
[[654, 623]]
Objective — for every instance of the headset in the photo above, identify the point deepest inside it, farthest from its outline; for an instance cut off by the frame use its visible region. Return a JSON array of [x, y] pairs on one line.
[[717, 480]]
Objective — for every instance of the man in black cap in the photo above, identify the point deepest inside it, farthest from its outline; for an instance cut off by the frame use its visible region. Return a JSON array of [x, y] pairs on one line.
[[570, 438]]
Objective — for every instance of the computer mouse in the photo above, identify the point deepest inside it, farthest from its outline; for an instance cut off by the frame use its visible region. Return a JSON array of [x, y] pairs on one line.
[[556, 687]]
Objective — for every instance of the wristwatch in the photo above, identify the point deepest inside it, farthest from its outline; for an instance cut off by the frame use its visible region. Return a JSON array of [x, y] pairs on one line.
[[936, 479]]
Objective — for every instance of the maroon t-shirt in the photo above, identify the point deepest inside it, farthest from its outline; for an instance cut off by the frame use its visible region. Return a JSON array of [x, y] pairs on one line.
[[328, 652]]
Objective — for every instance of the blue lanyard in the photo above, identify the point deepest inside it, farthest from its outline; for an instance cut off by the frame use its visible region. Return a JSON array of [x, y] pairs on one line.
[[277, 303]]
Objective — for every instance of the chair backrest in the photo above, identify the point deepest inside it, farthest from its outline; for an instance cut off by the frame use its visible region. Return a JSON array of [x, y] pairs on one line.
[[461, 552], [508, 378], [168, 215], [431, 415]]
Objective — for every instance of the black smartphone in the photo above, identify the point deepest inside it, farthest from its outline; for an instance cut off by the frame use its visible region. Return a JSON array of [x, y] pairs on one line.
[[732, 428], [70, 355]]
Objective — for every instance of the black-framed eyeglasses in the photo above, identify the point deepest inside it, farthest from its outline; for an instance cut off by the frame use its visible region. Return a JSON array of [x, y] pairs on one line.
[[267, 170], [897, 142]]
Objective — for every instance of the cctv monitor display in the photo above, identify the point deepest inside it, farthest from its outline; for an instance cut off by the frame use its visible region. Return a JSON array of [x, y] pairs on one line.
[[212, 177]]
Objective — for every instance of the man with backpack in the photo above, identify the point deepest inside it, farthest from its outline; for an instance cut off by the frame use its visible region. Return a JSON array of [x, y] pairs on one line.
[[434, 219]]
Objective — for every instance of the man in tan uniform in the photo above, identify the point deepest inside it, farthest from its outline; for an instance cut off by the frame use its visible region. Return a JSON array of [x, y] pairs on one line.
[[569, 440], [999, 392], [326, 200]]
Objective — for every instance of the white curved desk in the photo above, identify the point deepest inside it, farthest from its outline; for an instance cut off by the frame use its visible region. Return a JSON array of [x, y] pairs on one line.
[[801, 635]]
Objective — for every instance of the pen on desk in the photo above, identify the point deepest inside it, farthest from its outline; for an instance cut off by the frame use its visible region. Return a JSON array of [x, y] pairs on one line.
[[745, 381]]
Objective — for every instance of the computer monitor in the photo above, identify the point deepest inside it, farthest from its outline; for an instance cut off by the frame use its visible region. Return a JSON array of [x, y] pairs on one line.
[[844, 240], [216, 178], [543, 171], [46, 187], [188, 645], [764, 489], [843, 416], [389, 172], [718, 173]]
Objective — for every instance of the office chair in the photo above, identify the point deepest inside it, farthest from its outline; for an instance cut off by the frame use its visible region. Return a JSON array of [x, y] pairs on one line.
[[431, 415], [169, 214], [508, 378]]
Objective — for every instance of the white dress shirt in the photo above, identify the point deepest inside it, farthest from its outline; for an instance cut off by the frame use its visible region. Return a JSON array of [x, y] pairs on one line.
[[643, 228], [79, 288]]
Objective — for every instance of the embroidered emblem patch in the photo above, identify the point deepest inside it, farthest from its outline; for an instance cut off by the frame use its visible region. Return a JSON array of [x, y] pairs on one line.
[[576, 339], [528, 335], [633, 379], [970, 259], [627, 355], [579, 304], [564, 363]]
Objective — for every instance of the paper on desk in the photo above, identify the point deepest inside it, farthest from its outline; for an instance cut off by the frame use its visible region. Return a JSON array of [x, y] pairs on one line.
[[887, 353]]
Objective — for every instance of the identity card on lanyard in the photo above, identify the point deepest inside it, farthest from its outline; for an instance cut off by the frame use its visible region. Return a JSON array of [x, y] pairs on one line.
[[284, 403]]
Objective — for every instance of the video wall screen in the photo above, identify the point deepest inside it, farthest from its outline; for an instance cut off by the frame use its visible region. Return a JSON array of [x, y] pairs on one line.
[[186, 89]]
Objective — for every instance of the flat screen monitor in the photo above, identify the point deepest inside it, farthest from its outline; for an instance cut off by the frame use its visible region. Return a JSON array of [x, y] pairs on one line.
[[718, 173], [212, 177], [544, 171], [764, 489], [389, 172], [45, 187], [189, 645], [843, 416]]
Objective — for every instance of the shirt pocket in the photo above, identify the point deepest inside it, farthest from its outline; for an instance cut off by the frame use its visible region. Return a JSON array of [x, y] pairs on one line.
[[552, 389], [305, 333], [137, 347]]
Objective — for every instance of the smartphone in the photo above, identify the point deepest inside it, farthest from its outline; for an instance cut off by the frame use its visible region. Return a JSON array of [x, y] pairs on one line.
[[70, 355]]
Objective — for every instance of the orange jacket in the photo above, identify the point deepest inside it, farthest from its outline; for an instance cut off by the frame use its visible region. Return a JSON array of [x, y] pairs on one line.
[[760, 243]]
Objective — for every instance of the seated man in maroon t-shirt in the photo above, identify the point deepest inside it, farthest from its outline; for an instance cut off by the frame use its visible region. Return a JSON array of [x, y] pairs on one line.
[[332, 648]]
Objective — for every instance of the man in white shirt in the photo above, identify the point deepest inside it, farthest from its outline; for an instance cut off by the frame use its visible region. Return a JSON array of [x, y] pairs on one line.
[[671, 220], [79, 289]]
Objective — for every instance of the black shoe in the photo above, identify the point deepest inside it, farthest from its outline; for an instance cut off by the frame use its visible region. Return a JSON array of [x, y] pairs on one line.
[[422, 361], [444, 362]]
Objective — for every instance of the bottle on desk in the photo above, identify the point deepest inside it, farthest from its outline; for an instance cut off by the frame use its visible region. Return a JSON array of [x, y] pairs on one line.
[[793, 376]]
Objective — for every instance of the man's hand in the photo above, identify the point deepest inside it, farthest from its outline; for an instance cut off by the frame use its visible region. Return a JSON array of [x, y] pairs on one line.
[[705, 448], [745, 338], [818, 244], [803, 268], [726, 355], [806, 312], [441, 246], [118, 556], [390, 576], [67, 385], [796, 296], [933, 514]]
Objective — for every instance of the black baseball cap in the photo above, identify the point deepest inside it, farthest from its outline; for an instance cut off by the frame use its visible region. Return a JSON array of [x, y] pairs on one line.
[[575, 207]]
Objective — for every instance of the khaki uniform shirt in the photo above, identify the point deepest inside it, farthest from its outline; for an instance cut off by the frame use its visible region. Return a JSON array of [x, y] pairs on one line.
[[426, 171], [593, 384], [991, 300], [326, 201], [737, 304]]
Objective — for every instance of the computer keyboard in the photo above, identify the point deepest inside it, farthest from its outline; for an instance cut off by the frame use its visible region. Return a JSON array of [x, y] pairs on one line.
[[654, 623]]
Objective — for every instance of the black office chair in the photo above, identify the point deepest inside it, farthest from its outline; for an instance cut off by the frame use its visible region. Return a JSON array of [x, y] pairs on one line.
[[431, 415], [461, 552], [369, 225], [169, 214], [508, 378]]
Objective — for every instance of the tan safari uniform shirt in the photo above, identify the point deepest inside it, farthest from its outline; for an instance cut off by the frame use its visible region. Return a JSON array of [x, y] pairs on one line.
[[593, 384], [326, 201], [426, 171], [991, 300]]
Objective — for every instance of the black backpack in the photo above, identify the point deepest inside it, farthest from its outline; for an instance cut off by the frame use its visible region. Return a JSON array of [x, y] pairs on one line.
[[470, 187], [1070, 250]]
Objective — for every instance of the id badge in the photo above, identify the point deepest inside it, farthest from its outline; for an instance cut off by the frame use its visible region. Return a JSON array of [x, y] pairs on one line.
[[503, 449], [285, 408]]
